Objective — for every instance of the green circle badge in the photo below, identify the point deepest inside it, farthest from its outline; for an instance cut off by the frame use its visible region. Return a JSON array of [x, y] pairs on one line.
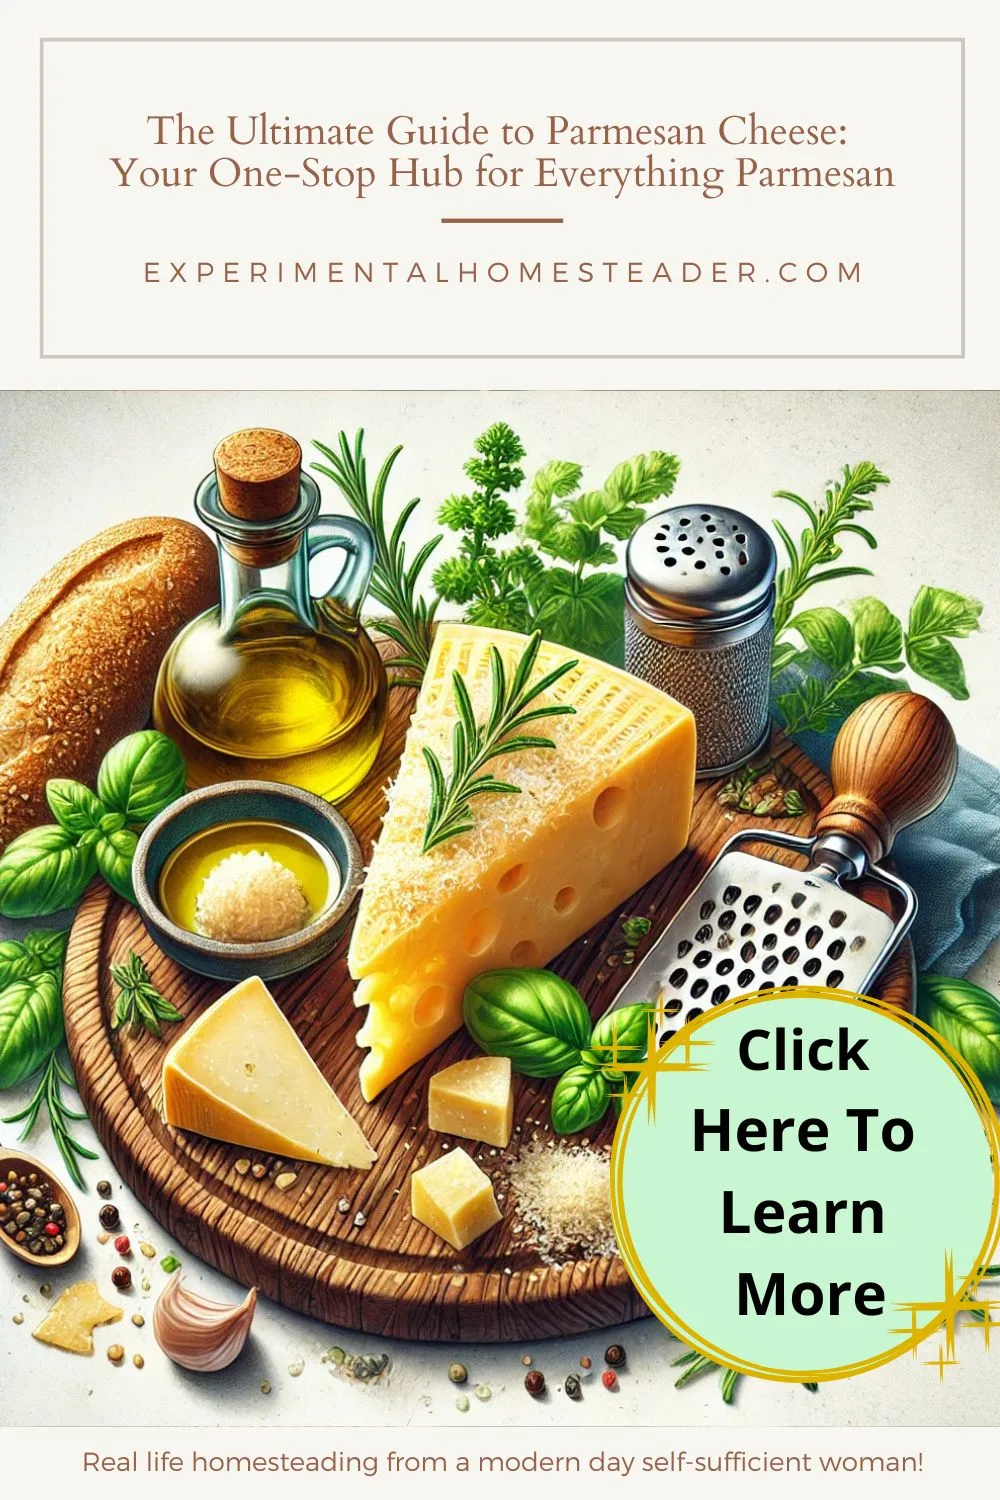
[[805, 1184]]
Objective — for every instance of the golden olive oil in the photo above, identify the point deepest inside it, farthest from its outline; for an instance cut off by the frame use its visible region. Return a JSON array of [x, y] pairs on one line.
[[274, 700], [186, 869]]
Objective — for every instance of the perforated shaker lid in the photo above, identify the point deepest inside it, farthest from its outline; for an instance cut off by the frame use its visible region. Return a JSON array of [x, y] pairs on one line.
[[701, 563]]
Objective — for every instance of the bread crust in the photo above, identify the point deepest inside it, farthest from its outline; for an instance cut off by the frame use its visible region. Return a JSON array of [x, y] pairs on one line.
[[79, 655]]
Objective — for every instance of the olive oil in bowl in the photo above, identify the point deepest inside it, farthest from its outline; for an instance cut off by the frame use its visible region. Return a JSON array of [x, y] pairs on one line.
[[186, 869]]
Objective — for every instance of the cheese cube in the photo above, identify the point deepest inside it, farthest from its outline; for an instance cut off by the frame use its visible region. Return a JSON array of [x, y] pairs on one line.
[[454, 1198], [473, 1099]]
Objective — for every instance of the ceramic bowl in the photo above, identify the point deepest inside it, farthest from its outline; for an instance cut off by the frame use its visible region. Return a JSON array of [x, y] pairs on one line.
[[230, 802], [21, 1163]]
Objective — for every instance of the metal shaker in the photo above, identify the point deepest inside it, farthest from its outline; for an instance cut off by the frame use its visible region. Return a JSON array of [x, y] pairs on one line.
[[699, 623]]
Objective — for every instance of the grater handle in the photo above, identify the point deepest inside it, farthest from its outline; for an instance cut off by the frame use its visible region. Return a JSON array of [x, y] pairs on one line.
[[894, 761]]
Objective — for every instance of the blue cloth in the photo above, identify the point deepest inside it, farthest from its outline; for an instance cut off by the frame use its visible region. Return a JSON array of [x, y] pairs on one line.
[[952, 860]]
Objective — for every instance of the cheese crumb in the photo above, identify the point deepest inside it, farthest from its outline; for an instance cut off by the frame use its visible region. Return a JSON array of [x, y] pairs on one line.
[[250, 898], [564, 1196]]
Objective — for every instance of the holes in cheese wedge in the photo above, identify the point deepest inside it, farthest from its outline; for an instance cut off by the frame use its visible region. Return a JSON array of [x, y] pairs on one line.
[[481, 931], [524, 955], [609, 807], [566, 899], [512, 878], [431, 1006]]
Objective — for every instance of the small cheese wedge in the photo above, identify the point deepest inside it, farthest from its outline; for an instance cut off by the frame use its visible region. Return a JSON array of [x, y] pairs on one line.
[[71, 1320], [473, 1099], [596, 817], [454, 1198], [240, 1074]]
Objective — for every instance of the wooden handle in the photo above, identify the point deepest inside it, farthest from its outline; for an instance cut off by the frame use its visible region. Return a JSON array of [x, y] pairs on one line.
[[893, 762]]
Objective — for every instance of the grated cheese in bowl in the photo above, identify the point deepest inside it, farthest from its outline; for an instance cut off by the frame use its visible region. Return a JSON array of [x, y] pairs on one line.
[[564, 1197], [250, 898]]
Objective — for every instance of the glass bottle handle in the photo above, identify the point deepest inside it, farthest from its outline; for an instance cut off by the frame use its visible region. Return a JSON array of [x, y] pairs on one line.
[[355, 540]]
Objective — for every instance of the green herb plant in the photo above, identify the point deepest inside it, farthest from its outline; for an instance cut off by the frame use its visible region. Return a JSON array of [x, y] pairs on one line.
[[31, 1039], [843, 658], [541, 1023], [968, 1017], [49, 868], [474, 745], [553, 577], [395, 581], [139, 1004]]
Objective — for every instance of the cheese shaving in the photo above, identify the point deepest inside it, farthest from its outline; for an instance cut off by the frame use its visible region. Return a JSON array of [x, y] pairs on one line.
[[564, 1197], [250, 898]]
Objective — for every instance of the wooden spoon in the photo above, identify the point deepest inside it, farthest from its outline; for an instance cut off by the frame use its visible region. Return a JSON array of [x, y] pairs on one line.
[[18, 1162]]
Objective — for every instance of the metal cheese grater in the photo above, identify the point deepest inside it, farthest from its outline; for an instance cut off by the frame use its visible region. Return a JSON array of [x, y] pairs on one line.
[[699, 623], [753, 924]]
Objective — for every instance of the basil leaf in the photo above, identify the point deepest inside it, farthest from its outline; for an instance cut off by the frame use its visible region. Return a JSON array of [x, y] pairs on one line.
[[969, 1018], [828, 634], [579, 1100], [622, 1036], [141, 775], [73, 805], [935, 615], [643, 479], [43, 871], [878, 634], [40, 951], [115, 853], [529, 1015], [936, 659], [30, 1026]]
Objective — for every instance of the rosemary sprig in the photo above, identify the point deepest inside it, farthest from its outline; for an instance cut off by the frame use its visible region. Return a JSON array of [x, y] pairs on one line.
[[49, 1093], [139, 1002], [395, 584], [818, 546], [475, 745], [697, 1364]]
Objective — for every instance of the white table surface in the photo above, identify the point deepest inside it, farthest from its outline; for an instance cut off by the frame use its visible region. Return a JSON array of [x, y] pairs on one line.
[[74, 462]]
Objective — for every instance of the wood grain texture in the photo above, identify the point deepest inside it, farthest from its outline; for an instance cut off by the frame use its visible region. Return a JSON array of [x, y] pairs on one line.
[[893, 762], [389, 1275]]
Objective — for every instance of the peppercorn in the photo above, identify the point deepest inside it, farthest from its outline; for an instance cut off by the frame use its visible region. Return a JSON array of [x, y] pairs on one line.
[[122, 1278], [51, 1228], [116, 1353], [571, 1385], [457, 1374], [614, 1355], [534, 1383], [609, 1380], [104, 1189], [123, 1245], [109, 1216]]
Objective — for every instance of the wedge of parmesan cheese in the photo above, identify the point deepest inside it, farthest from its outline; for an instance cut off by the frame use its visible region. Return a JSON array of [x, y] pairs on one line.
[[240, 1074], [595, 819]]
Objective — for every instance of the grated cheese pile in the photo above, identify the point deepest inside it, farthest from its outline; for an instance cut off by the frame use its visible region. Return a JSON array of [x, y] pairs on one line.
[[564, 1196], [250, 898]]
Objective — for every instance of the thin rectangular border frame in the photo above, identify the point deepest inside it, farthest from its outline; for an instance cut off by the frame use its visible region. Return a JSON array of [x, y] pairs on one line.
[[547, 41]]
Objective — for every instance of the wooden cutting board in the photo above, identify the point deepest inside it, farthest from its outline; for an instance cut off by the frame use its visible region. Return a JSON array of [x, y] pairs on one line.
[[368, 1265]]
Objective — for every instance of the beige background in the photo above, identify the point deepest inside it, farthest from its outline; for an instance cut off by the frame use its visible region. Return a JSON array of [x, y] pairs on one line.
[[76, 461]]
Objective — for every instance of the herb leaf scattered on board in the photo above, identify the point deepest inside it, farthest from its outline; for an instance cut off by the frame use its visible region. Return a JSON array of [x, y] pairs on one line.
[[474, 745], [139, 1002]]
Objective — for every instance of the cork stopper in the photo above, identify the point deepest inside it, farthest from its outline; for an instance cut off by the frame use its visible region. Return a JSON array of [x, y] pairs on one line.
[[258, 473]]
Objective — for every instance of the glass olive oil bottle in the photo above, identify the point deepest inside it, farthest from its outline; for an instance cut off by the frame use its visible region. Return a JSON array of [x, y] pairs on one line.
[[274, 684]]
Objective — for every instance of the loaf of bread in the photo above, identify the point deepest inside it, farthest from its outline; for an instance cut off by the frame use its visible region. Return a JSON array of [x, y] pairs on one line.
[[80, 654]]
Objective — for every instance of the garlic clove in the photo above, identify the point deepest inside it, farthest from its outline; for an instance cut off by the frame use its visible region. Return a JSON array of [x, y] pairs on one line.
[[196, 1333]]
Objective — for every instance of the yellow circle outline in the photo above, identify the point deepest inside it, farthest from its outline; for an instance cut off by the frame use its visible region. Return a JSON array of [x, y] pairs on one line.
[[656, 1301]]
